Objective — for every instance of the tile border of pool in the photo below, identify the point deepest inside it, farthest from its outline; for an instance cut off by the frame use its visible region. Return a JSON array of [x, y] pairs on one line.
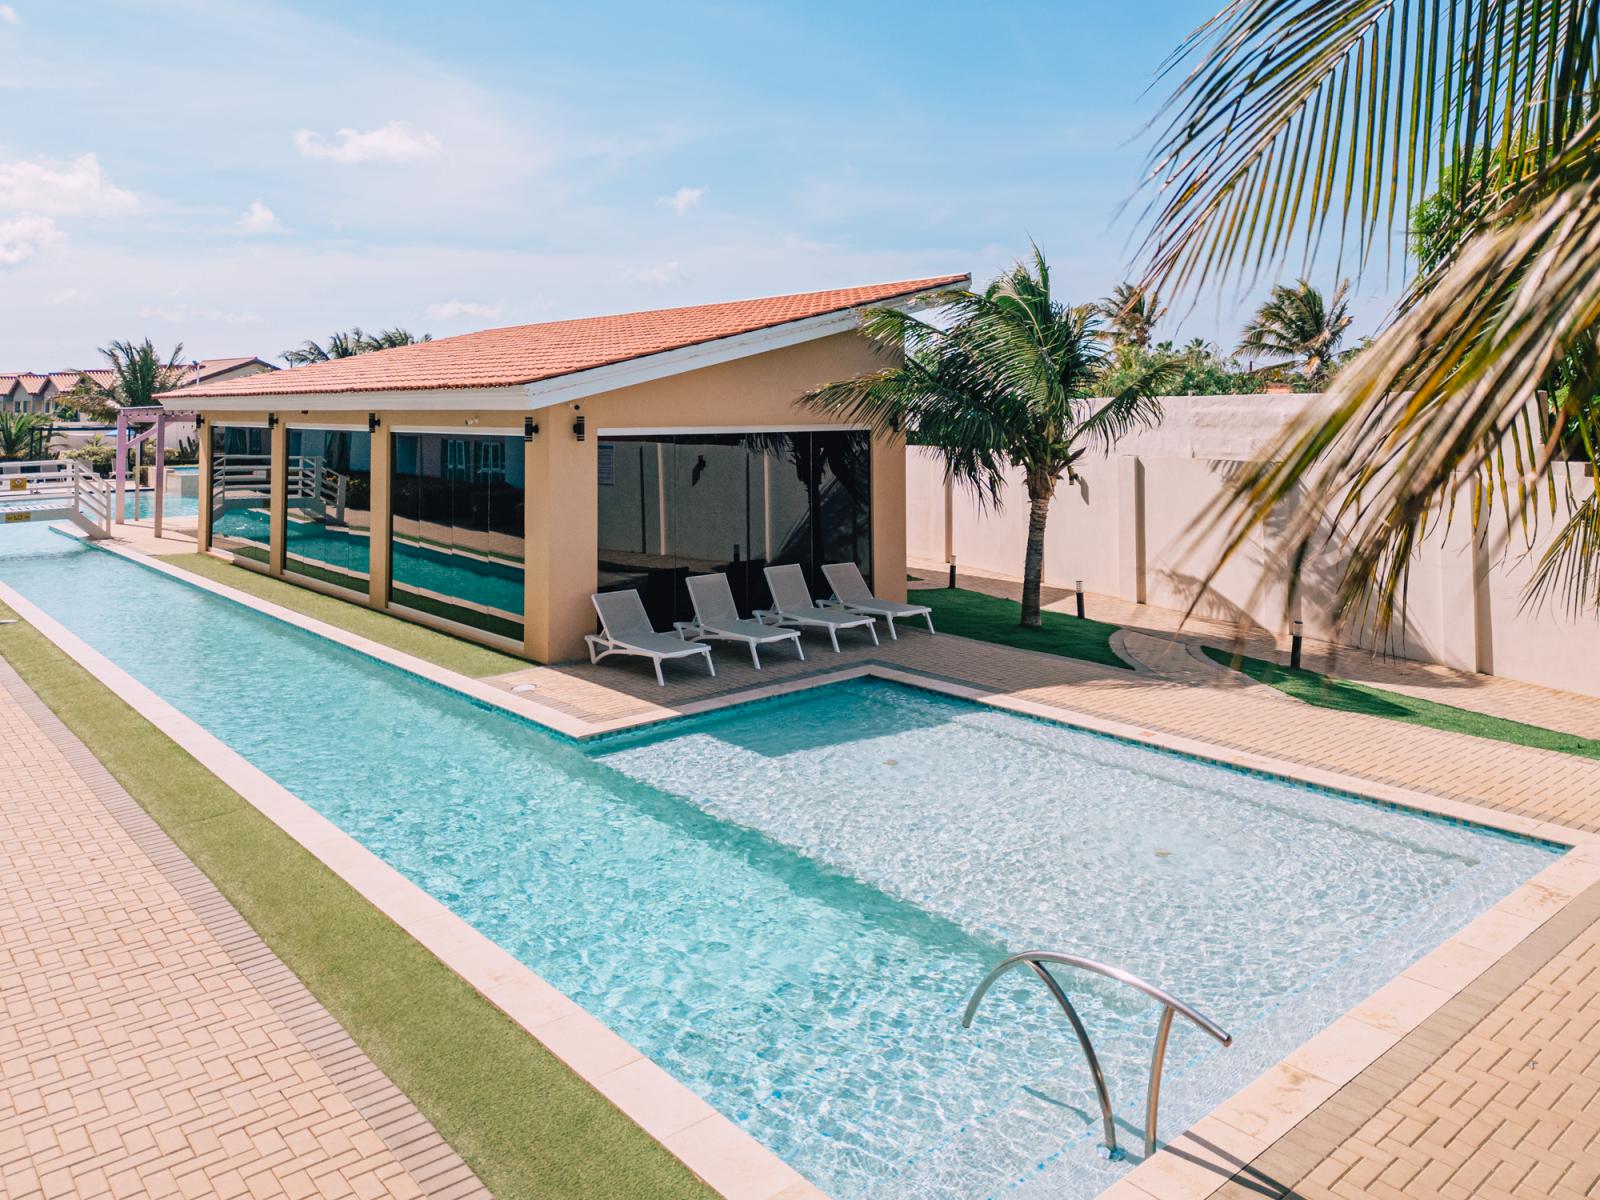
[[726, 1157]]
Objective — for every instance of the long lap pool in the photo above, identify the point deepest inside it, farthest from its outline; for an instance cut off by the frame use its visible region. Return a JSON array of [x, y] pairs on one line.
[[786, 904]]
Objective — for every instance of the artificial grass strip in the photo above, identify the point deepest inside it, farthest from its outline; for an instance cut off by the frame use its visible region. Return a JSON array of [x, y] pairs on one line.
[[430, 645], [1324, 691], [525, 1123], [993, 619]]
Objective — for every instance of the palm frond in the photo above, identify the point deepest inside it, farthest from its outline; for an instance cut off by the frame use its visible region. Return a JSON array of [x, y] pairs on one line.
[[1297, 115]]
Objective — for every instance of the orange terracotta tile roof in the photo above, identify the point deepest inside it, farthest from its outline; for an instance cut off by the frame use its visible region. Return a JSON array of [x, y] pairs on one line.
[[520, 354]]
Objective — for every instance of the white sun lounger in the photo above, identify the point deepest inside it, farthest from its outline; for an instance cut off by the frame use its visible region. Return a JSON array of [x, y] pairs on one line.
[[716, 617], [792, 605], [850, 590], [625, 629]]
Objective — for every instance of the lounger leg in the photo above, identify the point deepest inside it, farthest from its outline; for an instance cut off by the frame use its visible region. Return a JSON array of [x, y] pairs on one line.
[[833, 635], [928, 617], [656, 663], [755, 660], [710, 666], [893, 636], [799, 649], [873, 628]]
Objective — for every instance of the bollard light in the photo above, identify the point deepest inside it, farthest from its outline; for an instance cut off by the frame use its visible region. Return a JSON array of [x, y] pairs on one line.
[[1294, 646], [952, 570], [1080, 599]]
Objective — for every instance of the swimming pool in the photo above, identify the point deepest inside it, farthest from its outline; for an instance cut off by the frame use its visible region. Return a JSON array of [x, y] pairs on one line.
[[141, 505], [787, 904]]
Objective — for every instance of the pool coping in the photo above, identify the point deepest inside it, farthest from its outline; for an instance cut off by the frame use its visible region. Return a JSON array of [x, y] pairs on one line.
[[730, 1160]]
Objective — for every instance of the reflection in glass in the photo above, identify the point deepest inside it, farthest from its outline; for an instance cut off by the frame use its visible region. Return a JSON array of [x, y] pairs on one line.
[[675, 506], [457, 541], [241, 462], [328, 534]]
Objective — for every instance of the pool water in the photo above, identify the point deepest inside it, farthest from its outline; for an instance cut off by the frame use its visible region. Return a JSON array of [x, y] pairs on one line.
[[787, 904], [141, 505]]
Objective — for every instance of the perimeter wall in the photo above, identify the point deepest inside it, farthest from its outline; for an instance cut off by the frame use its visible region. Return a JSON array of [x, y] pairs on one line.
[[1128, 528]]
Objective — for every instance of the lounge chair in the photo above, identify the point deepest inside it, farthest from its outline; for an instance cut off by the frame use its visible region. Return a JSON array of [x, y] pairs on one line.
[[792, 605], [716, 617], [625, 629], [850, 590]]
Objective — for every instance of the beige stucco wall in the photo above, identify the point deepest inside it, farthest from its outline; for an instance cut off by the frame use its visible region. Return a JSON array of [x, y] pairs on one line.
[[1142, 525], [562, 486]]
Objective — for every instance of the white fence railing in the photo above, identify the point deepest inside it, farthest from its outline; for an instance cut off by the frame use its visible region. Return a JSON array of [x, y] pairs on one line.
[[58, 484]]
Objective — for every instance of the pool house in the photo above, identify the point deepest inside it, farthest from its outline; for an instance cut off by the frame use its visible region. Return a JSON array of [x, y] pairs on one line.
[[488, 484]]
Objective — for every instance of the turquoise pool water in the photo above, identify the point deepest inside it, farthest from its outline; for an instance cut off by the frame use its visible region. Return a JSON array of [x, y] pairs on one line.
[[141, 505], [787, 904]]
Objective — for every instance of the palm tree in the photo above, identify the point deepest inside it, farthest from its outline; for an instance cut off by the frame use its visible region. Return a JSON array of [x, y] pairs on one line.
[[1297, 326], [19, 431], [1132, 314], [1008, 386], [1296, 119], [141, 373], [348, 345]]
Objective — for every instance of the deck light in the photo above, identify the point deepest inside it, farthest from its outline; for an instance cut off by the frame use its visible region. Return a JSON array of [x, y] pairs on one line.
[[1294, 646]]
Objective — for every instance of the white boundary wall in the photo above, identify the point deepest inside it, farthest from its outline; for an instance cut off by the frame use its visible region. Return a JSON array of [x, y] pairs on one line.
[[1127, 529]]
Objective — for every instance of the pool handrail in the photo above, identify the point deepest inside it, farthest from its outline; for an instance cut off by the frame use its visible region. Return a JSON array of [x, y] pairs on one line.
[[1035, 959]]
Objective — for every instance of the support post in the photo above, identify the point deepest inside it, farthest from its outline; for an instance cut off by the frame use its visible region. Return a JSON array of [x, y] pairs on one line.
[[379, 543], [277, 492], [120, 470], [161, 470]]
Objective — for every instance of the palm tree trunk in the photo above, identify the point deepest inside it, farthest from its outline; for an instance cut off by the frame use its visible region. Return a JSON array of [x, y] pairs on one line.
[[1040, 489]]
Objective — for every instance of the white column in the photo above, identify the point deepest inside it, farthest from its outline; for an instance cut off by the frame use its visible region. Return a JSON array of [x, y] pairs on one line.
[[1130, 528]]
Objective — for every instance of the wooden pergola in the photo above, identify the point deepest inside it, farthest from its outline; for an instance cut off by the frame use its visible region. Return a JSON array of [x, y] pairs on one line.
[[156, 417]]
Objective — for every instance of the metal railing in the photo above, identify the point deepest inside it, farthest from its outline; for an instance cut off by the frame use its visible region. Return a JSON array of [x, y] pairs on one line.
[[1036, 960], [60, 482]]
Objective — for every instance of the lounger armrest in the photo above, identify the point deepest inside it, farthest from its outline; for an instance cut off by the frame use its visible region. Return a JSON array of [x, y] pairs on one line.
[[687, 630], [831, 602], [768, 616]]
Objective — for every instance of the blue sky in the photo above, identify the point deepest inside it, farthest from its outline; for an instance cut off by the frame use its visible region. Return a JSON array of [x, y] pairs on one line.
[[240, 176]]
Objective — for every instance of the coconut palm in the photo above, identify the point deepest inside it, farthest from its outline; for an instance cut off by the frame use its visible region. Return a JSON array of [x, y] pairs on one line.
[[349, 344], [1006, 387], [1132, 314], [1299, 328], [141, 373], [1295, 119], [19, 431]]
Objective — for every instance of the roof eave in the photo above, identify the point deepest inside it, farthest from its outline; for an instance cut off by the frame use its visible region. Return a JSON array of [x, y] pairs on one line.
[[563, 389]]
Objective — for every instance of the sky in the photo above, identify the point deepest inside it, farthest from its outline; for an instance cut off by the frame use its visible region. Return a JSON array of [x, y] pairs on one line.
[[240, 176]]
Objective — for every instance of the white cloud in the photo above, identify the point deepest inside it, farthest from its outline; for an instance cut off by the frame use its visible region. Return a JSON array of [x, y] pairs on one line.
[[663, 273], [8, 15], [682, 200], [23, 237], [64, 296], [258, 218], [184, 314], [77, 188], [451, 309], [395, 142]]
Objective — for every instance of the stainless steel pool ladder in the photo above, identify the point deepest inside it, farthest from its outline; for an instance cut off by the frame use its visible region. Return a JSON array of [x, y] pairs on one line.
[[1036, 960]]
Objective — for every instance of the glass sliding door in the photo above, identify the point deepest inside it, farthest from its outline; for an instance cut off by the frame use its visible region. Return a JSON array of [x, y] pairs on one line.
[[328, 534], [241, 485], [673, 506], [458, 528]]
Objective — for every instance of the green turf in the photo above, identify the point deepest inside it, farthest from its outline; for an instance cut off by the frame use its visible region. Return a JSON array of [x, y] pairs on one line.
[[1324, 691], [427, 644], [991, 619], [520, 1118]]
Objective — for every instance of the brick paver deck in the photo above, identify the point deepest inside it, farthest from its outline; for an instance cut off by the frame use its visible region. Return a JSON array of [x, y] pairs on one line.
[[150, 1044]]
